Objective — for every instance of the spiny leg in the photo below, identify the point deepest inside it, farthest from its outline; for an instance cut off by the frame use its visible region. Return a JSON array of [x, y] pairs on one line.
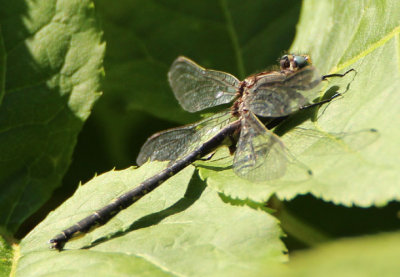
[[324, 78], [320, 102]]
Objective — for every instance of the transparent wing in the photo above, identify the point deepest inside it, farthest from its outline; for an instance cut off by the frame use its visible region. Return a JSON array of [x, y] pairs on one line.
[[260, 154], [197, 88], [177, 142], [275, 95], [328, 143]]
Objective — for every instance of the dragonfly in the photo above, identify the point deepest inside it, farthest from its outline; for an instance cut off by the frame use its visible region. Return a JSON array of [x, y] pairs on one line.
[[259, 154]]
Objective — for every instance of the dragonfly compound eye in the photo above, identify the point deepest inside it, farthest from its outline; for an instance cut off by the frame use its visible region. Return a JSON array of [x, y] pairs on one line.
[[301, 61], [284, 62]]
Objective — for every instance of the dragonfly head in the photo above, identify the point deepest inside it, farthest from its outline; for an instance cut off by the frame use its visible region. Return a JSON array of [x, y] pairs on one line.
[[294, 62]]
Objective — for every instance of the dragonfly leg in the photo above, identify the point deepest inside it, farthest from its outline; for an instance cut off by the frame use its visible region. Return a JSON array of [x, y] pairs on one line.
[[320, 102], [232, 147], [209, 157], [325, 77]]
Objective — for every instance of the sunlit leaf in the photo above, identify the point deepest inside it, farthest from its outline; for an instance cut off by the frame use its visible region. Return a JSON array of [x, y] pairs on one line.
[[53, 53], [181, 229], [346, 175]]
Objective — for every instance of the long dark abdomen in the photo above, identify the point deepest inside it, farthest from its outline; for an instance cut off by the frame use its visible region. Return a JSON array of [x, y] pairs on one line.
[[104, 214]]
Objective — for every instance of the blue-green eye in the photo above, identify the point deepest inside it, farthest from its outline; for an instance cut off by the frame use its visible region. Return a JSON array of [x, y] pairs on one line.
[[301, 61]]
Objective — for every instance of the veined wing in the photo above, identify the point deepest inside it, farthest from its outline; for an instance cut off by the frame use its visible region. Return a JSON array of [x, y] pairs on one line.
[[331, 143], [177, 142], [197, 88], [280, 95], [260, 154]]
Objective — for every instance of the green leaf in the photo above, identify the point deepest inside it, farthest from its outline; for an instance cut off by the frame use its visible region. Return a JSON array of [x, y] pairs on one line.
[[181, 228], [375, 255], [54, 64], [355, 169], [6, 255]]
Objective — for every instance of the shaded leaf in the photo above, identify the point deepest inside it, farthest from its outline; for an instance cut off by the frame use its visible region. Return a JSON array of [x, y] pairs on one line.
[[3, 64], [222, 35]]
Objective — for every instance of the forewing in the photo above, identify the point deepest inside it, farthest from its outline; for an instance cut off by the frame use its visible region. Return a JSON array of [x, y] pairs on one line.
[[197, 88], [177, 142], [260, 154], [276, 96]]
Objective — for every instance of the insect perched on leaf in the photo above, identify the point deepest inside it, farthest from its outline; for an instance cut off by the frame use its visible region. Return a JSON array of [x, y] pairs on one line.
[[259, 154]]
